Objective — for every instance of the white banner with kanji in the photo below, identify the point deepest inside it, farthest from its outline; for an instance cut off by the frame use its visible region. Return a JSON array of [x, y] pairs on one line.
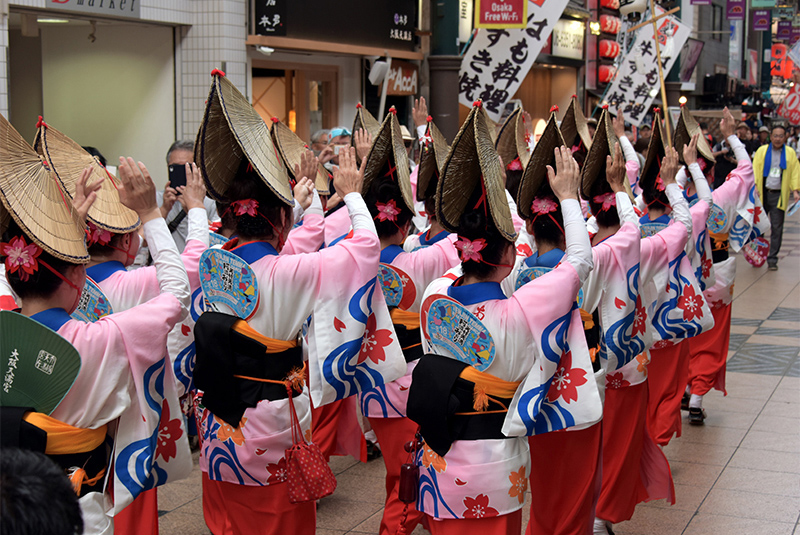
[[497, 61], [637, 82], [790, 107]]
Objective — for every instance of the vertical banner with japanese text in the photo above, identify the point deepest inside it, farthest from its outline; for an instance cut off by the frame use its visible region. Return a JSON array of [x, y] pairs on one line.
[[637, 82], [498, 60]]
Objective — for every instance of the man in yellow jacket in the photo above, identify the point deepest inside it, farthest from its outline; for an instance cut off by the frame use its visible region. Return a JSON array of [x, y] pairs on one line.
[[777, 173]]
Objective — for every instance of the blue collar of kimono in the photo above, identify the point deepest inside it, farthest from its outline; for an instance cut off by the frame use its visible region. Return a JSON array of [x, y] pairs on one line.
[[664, 218], [768, 159], [253, 251], [389, 253], [469, 294], [102, 271], [52, 318], [689, 198], [550, 259], [423, 237], [337, 240]]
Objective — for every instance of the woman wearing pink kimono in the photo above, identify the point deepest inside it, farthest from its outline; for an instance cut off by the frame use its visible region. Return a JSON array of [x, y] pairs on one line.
[[121, 353], [495, 369], [402, 276]]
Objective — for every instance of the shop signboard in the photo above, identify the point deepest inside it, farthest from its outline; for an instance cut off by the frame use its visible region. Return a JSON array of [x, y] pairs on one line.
[[762, 4], [388, 25], [403, 78], [795, 35], [752, 67], [464, 20], [497, 61], [761, 20], [128, 9], [784, 30], [701, 2], [501, 14], [690, 55], [790, 107], [781, 63], [637, 82], [568, 39], [735, 9]]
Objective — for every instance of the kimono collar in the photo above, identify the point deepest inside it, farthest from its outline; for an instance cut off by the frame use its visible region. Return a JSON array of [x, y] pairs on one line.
[[253, 251], [52, 318], [664, 218], [389, 253], [550, 259], [768, 159], [424, 240], [340, 238], [100, 272], [469, 294], [689, 198]]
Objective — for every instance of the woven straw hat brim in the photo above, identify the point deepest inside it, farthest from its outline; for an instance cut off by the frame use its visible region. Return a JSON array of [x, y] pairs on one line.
[[655, 153], [506, 144], [473, 158], [686, 128], [232, 130], [432, 159], [291, 147], [33, 196], [67, 159], [389, 143], [366, 121], [574, 125], [602, 146], [534, 179]]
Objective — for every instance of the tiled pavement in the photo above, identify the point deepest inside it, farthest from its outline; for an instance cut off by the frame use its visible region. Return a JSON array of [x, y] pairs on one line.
[[738, 474]]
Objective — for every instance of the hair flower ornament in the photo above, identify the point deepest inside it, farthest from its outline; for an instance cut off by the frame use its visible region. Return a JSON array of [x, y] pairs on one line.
[[515, 165], [387, 211], [245, 207], [96, 235], [543, 205], [606, 199], [21, 256], [470, 250]]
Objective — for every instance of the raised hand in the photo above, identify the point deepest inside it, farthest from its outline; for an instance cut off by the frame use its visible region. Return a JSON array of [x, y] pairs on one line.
[[566, 181], [363, 143], [136, 190], [326, 154], [193, 193], [85, 194], [308, 166], [727, 124], [618, 123], [304, 191], [348, 178], [669, 166], [420, 112], [690, 151], [615, 170]]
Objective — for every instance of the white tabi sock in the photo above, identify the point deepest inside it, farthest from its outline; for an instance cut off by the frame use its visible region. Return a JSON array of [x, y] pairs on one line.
[[688, 390], [696, 402], [600, 527]]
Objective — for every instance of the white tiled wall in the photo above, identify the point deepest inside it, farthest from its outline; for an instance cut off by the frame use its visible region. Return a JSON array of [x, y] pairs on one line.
[[210, 34]]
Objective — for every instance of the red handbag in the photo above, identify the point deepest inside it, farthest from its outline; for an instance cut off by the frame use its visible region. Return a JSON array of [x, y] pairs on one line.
[[307, 472]]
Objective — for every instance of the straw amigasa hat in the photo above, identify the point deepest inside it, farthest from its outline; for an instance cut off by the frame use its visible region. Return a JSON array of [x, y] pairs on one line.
[[686, 128], [593, 173], [388, 159], [651, 170], [364, 120], [67, 160], [534, 183], [431, 161], [232, 130], [291, 147], [512, 141], [472, 171], [33, 197], [575, 129]]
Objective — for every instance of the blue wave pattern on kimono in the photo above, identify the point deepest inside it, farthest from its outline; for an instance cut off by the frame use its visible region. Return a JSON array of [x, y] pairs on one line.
[[617, 339], [381, 398], [340, 368], [144, 474], [184, 367], [429, 485], [668, 318], [538, 414], [700, 249], [219, 458]]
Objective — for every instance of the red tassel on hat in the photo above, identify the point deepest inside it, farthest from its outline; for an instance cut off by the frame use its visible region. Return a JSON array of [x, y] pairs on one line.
[[358, 106], [683, 104], [656, 110], [41, 123], [553, 109], [275, 120], [430, 119], [605, 106], [393, 111], [574, 96], [217, 72], [477, 104]]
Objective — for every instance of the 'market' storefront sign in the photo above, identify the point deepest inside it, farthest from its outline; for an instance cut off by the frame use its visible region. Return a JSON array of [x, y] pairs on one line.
[[110, 8]]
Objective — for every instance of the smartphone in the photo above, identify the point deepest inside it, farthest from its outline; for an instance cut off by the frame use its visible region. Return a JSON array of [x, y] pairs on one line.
[[336, 149], [177, 176]]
